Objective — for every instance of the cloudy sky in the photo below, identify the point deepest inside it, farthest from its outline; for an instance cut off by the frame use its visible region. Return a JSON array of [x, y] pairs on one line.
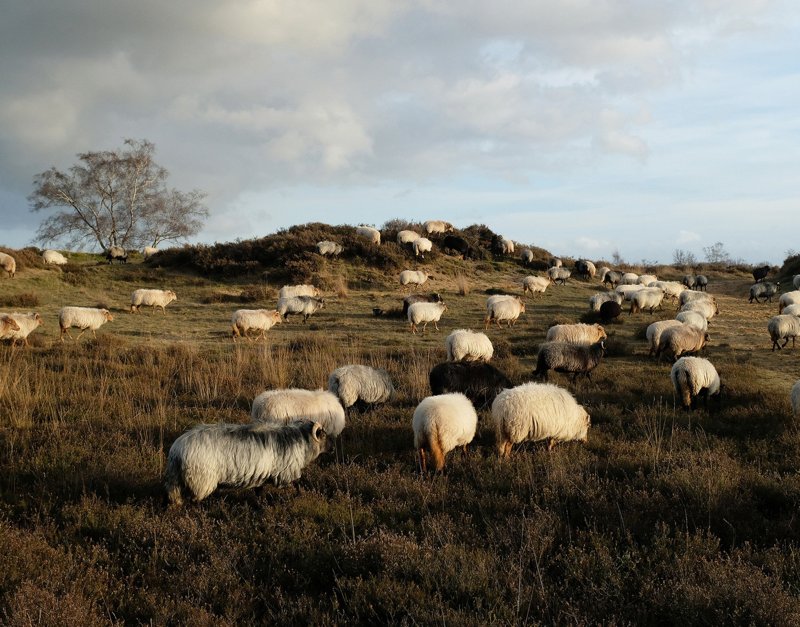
[[582, 126]]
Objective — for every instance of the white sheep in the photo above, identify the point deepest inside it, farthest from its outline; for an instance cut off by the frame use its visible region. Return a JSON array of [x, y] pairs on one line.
[[789, 298], [83, 318], [689, 296], [300, 305], [26, 323], [423, 313], [241, 456], [496, 298], [705, 307], [360, 384], [558, 274], [693, 319], [149, 251], [9, 264], [407, 237], [629, 278], [791, 310], [648, 298], [656, 330], [287, 291], [681, 339], [537, 411], [467, 345], [796, 399], [693, 377], [369, 233], [508, 309], [326, 247], [53, 257], [576, 333], [628, 291], [555, 262], [596, 300], [152, 298], [442, 423], [414, 277], [289, 404], [258, 319], [646, 279], [421, 246], [602, 271], [534, 284], [671, 289], [783, 327], [506, 246], [437, 226], [526, 256]]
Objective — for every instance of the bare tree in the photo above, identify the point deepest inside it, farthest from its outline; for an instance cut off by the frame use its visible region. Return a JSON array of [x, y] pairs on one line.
[[716, 253], [115, 198], [681, 257]]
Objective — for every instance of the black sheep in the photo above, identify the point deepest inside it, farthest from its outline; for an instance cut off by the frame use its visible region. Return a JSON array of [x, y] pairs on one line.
[[478, 381]]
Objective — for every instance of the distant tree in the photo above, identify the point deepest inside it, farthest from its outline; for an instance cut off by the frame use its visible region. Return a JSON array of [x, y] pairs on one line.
[[716, 253], [682, 257], [115, 198], [616, 258]]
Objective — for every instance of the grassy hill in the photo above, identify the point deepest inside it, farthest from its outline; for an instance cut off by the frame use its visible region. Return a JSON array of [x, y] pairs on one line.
[[662, 517]]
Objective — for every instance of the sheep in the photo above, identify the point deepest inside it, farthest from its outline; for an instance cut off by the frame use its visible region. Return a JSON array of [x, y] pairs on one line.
[[116, 253], [555, 262], [792, 310], [597, 300], [285, 405], [629, 278], [26, 324], [287, 291], [765, 290], [702, 282], [576, 333], [419, 298], [149, 251], [8, 263], [796, 281], [421, 246], [414, 277], [508, 309], [53, 257], [690, 281], [534, 284], [558, 274], [83, 318], [708, 308], [693, 377], [656, 330], [364, 385], [151, 298], [648, 298], [437, 226], [688, 296], [783, 327], [694, 319], [612, 278], [788, 298], [602, 272], [241, 456], [796, 399], [328, 248], [466, 345], [370, 234], [302, 305], [537, 411], [456, 244], [671, 289], [678, 340], [628, 291], [646, 279], [8, 327], [407, 237], [259, 319], [585, 269], [609, 310], [494, 298], [526, 256], [759, 274], [425, 313], [442, 423], [568, 358], [502, 245], [481, 382]]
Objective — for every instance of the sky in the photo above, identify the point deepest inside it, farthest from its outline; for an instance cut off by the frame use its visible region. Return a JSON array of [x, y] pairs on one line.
[[586, 127]]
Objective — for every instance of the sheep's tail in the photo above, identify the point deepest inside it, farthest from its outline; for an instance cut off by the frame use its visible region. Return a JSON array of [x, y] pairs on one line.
[[172, 481], [333, 385], [541, 367], [686, 390], [435, 446]]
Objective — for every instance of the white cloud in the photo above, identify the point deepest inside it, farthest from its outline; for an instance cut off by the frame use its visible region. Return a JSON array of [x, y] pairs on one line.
[[687, 237]]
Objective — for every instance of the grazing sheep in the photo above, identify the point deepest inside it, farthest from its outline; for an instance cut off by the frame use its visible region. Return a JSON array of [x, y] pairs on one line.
[[693, 319], [508, 309], [702, 282], [791, 310], [466, 345], [688, 296], [765, 290], [502, 245], [759, 274], [9, 264], [425, 313], [796, 399], [360, 384], [240, 456], [526, 256], [54, 258], [693, 377], [576, 333], [481, 382], [287, 291], [301, 305], [569, 358], [585, 269], [708, 308], [679, 340], [456, 244], [796, 281], [421, 246], [437, 226], [602, 271], [152, 298], [648, 298], [609, 311], [369, 233], [285, 405], [671, 289], [783, 327], [789, 298], [690, 281], [8, 326], [83, 318], [414, 277], [495, 298], [558, 274], [537, 411], [419, 298], [407, 237], [612, 278], [327, 248], [656, 330], [597, 300], [259, 319], [442, 423], [26, 324], [535, 284], [647, 279], [117, 253], [628, 291], [555, 262], [149, 251], [629, 278]]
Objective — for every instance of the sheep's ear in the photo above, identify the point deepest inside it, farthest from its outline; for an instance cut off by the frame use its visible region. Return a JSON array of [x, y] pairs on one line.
[[318, 432]]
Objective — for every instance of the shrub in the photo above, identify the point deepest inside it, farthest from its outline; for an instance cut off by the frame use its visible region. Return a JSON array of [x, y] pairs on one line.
[[26, 299]]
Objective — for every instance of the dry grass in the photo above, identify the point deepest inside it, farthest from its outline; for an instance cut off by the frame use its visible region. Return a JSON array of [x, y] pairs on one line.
[[462, 285]]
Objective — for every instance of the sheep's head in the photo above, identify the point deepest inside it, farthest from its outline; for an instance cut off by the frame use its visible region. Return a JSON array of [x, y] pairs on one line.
[[171, 295], [601, 332], [38, 320], [587, 422], [107, 315]]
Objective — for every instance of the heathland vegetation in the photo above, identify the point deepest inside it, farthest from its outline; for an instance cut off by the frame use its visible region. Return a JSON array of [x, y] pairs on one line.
[[664, 516]]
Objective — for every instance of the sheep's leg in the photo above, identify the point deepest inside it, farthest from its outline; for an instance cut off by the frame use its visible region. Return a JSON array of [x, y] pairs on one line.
[[552, 444], [422, 462], [79, 334], [436, 326], [785, 343]]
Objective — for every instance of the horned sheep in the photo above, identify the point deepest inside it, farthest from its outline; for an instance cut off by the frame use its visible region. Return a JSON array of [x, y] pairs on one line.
[[679, 340], [648, 298], [481, 382], [285, 405], [576, 333], [537, 411], [466, 345], [26, 324], [534, 284], [796, 399], [300, 305], [151, 298], [442, 423], [53, 257], [83, 318], [765, 290], [8, 263], [287, 291], [693, 377], [575, 359], [789, 298], [783, 327], [365, 385], [423, 313], [258, 319], [414, 277], [241, 456], [508, 309], [437, 226], [369, 233]]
